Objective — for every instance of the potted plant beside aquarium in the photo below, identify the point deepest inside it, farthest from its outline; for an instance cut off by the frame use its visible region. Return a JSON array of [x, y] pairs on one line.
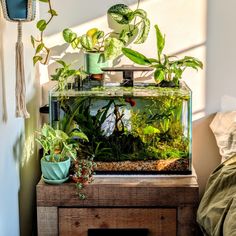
[[58, 152]]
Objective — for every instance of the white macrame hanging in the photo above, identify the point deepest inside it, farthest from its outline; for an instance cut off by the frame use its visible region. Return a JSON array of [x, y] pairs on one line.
[[13, 10]]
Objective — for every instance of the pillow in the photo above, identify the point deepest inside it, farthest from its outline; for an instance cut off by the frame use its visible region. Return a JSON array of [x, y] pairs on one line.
[[224, 128]]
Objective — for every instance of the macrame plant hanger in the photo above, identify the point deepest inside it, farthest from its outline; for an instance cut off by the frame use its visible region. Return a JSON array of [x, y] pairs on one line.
[[19, 11]]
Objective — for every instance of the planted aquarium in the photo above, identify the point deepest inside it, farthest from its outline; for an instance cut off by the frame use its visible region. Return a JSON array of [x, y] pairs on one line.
[[140, 129]]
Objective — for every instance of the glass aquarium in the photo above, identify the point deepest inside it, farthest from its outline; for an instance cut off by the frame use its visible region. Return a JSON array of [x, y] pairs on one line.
[[141, 129]]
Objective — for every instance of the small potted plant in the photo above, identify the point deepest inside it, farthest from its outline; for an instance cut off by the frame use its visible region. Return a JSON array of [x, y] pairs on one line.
[[64, 73], [99, 47], [58, 150], [168, 71]]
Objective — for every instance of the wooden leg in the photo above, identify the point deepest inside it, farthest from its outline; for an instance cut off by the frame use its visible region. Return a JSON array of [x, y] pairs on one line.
[[186, 221]]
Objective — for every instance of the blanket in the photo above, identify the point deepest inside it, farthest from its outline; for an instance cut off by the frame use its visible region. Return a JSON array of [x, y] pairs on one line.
[[216, 214]]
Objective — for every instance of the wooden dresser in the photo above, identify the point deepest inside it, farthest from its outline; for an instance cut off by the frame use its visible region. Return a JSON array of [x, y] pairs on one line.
[[162, 206]]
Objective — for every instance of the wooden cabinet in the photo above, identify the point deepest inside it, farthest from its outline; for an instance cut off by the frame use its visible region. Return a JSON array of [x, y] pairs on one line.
[[161, 206]]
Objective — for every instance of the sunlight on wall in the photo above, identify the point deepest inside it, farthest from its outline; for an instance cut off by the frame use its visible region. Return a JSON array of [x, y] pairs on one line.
[[182, 21]]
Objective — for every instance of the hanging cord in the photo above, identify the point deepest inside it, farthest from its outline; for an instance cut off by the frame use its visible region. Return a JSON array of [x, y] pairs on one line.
[[21, 110]]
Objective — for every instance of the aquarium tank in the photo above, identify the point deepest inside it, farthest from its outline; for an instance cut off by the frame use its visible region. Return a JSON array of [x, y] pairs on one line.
[[131, 128]]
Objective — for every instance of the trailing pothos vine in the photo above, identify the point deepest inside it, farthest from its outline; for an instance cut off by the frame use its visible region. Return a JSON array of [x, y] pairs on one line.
[[38, 43]]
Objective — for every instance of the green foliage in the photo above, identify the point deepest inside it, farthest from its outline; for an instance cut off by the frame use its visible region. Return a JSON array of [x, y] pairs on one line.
[[57, 144], [63, 73], [136, 20], [155, 130], [41, 50], [95, 40], [166, 69]]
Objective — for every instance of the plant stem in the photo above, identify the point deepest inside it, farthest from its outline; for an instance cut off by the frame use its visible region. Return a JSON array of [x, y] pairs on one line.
[[41, 40]]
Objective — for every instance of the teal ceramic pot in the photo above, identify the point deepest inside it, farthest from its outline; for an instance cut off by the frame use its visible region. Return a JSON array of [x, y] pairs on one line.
[[94, 61], [55, 170]]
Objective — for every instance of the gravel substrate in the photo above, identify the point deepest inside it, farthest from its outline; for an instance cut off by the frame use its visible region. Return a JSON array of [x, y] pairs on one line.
[[157, 165]]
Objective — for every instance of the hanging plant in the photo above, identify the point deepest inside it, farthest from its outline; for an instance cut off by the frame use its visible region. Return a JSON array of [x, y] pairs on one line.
[[38, 43], [19, 11]]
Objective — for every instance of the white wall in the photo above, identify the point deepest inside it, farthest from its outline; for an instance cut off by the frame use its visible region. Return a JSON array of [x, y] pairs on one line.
[[221, 51], [19, 170]]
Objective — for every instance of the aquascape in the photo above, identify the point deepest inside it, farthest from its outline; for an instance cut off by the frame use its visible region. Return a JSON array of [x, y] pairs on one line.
[[139, 129]]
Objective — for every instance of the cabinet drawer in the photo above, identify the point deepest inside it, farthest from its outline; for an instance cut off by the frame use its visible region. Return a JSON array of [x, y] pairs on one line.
[[77, 221]]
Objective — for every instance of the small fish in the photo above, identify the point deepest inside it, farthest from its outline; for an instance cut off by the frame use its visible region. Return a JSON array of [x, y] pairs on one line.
[[130, 101]]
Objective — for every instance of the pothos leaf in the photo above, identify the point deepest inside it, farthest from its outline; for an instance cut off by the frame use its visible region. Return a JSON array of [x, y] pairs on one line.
[[41, 25], [113, 47], [86, 42], [121, 13], [36, 59], [52, 12], [39, 47], [124, 36], [68, 35], [75, 43], [144, 31], [141, 13]]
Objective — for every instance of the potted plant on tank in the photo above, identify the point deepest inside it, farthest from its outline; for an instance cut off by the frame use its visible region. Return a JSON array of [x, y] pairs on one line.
[[168, 69], [63, 74], [99, 47], [59, 149]]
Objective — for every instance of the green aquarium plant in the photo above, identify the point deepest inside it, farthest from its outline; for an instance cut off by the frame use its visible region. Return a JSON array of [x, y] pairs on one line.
[[168, 69], [64, 73]]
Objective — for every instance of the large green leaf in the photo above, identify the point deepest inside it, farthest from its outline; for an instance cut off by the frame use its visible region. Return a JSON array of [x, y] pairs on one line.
[[144, 31], [121, 13], [113, 47], [160, 41], [136, 57]]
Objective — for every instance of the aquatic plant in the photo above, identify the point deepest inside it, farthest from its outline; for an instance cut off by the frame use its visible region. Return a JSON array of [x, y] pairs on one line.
[[153, 132]]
